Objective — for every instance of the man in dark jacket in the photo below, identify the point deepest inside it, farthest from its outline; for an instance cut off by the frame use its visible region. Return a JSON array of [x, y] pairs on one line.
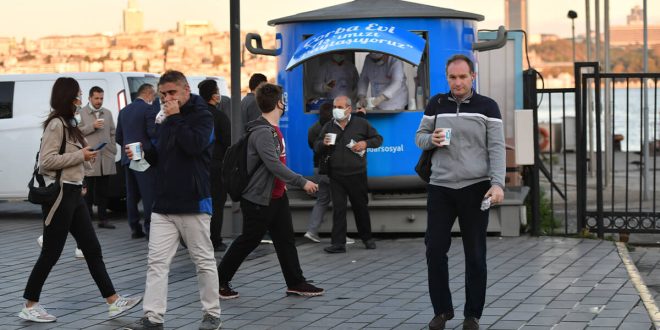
[[348, 171], [264, 201], [249, 107], [183, 202], [208, 90], [136, 123]]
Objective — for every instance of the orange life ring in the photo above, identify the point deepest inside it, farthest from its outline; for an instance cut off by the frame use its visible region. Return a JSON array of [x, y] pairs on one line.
[[544, 138]]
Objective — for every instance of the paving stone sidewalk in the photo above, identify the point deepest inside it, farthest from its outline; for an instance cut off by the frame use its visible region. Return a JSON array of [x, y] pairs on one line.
[[533, 283]]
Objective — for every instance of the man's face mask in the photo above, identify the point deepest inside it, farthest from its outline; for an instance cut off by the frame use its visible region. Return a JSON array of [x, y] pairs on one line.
[[338, 113]]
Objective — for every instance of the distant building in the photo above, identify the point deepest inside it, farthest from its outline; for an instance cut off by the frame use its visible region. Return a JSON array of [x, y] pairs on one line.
[[633, 32], [133, 18], [194, 28], [541, 38]]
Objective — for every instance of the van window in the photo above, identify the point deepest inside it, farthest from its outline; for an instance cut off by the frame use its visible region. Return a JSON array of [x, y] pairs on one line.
[[6, 99], [135, 82]]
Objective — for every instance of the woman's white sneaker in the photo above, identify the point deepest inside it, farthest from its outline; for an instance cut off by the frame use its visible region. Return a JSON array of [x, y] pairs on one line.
[[36, 313], [122, 304]]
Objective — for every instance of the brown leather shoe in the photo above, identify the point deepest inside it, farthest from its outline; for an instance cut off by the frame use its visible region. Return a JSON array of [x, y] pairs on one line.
[[438, 322], [471, 323]]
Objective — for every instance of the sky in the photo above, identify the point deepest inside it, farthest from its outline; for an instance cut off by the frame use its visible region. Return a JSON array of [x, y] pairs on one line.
[[39, 18]]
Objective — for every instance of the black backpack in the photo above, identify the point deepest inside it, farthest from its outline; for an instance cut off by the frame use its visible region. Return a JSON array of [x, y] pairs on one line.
[[235, 174]]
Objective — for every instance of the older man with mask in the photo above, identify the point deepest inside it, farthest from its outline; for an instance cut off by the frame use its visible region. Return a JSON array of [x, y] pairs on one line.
[[388, 83], [348, 171]]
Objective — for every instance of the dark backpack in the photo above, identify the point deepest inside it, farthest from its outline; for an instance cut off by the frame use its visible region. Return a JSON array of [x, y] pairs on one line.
[[235, 176]]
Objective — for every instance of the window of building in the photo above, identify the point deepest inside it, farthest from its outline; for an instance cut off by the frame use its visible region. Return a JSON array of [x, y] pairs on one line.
[[6, 99]]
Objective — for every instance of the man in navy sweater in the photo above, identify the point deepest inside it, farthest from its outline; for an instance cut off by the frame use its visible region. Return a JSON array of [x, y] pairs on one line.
[[182, 206], [468, 166]]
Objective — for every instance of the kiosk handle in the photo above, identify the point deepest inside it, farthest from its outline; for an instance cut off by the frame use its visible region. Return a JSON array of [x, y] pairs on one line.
[[259, 50], [496, 43]]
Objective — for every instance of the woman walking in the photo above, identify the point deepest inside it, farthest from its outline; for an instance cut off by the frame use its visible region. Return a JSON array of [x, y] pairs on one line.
[[69, 212]]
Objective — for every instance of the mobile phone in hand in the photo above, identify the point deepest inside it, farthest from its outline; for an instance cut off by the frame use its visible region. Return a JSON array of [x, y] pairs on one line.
[[98, 146]]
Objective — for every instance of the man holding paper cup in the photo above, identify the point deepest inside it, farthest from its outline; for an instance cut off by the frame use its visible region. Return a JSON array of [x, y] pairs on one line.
[[468, 165], [97, 126], [347, 138], [136, 128]]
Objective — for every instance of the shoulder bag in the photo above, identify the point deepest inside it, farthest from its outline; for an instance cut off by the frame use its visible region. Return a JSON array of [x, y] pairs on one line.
[[423, 167], [42, 194]]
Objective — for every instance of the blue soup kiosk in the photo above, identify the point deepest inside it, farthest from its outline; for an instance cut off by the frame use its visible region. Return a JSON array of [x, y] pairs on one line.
[[422, 36]]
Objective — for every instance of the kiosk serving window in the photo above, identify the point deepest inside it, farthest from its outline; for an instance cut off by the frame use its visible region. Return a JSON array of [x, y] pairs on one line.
[[379, 82]]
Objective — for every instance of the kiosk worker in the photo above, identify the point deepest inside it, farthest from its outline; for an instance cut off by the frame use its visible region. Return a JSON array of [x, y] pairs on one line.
[[463, 173], [388, 83]]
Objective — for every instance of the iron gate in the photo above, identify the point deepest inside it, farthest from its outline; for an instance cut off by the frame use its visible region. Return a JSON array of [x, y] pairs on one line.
[[606, 180]]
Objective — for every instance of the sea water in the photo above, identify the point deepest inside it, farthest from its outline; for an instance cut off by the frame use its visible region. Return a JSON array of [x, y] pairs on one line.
[[627, 104]]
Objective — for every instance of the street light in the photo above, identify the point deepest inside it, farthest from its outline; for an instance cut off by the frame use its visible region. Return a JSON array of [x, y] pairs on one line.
[[572, 15]]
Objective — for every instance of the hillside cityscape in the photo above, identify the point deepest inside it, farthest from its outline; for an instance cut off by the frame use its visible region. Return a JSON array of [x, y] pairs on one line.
[[198, 48]]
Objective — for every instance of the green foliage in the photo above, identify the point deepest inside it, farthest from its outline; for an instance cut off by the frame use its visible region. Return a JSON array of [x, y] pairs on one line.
[[548, 221]]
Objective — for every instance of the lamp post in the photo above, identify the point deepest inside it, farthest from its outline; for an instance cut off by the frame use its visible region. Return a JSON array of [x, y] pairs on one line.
[[572, 15]]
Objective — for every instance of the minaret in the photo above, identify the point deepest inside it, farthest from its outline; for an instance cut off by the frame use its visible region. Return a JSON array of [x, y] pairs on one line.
[[133, 18]]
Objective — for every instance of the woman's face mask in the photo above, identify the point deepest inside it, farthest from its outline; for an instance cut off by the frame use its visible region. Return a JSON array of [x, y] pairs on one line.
[[77, 115], [338, 113]]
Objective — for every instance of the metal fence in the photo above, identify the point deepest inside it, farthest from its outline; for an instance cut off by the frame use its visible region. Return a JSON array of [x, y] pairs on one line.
[[598, 170]]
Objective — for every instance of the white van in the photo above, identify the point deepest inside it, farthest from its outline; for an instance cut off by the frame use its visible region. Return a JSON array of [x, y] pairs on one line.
[[193, 81], [25, 104]]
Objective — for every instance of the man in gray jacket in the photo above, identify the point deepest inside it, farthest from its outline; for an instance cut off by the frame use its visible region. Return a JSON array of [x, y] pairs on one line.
[[264, 202], [468, 167], [98, 126]]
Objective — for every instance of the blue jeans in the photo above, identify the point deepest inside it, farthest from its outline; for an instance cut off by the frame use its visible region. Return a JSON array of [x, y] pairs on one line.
[[443, 206]]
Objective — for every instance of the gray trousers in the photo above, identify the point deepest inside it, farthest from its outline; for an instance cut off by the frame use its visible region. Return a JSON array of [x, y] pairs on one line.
[[323, 201]]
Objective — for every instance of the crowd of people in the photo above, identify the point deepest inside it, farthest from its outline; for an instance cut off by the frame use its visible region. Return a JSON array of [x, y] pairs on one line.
[[172, 153]]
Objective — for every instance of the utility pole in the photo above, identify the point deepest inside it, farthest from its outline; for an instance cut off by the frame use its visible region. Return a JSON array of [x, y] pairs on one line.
[[236, 125]]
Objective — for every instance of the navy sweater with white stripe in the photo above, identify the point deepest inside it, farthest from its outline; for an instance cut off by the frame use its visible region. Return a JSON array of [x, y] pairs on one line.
[[476, 151]]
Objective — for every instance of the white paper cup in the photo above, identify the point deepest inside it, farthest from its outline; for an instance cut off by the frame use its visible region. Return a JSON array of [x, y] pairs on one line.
[[332, 137], [370, 103], [136, 150], [447, 136], [101, 120]]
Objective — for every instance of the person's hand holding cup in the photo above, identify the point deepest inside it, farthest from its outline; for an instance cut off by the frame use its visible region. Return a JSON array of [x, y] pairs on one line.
[[330, 139], [441, 137], [133, 150], [99, 123]]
